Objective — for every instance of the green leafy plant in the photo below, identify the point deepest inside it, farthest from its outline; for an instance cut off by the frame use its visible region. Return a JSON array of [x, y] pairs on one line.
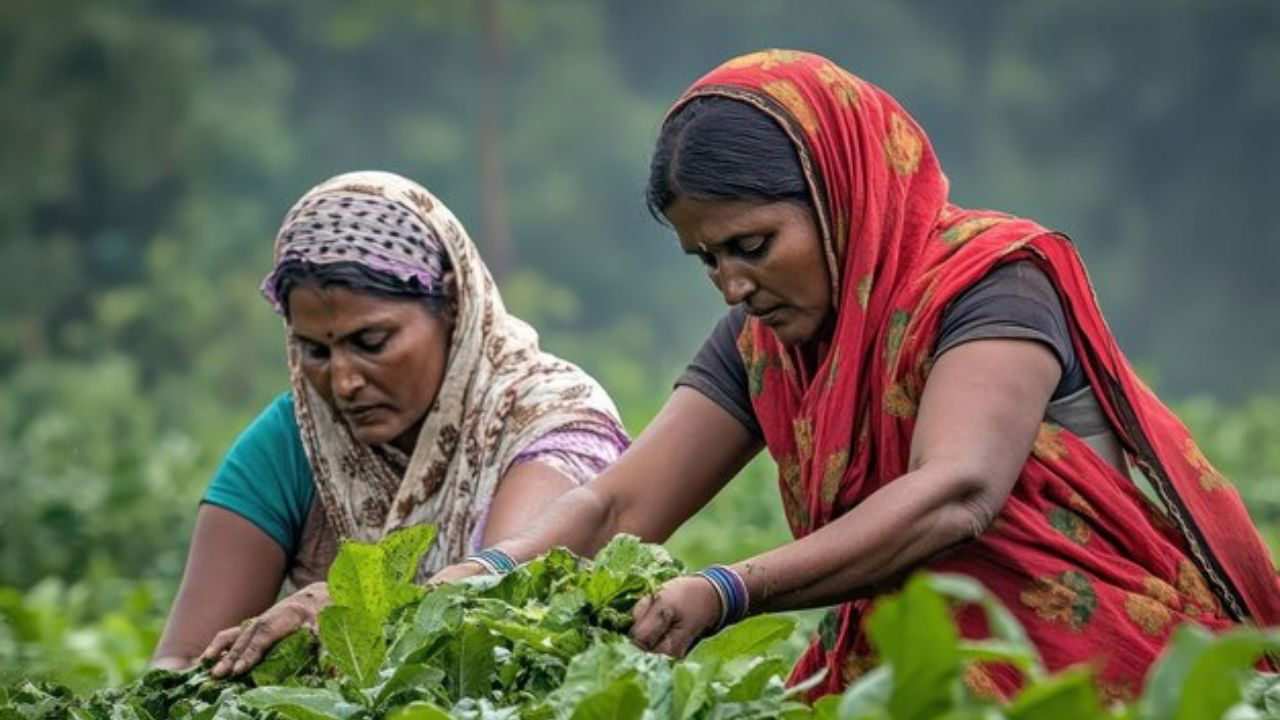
[[547, 642]]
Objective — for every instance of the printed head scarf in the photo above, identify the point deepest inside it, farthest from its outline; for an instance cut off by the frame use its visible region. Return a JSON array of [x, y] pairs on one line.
[[500, 392], [838, 421]]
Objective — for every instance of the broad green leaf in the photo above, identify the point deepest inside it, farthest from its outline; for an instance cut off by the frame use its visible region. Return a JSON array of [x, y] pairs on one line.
[[468, 661], [868, 697], [564, 610], [564, 644], [129, 712], [754, 678], [1009, 641], [405, 678], [692, 688], [301, 703], [1070, 694], [353, 642], [915, 635], [827, 708], [750, 637], [289, 658], [358, 579], [419, 711], [1200, 674], [621, 700], [403, 550], [623, 570], [440, 612]]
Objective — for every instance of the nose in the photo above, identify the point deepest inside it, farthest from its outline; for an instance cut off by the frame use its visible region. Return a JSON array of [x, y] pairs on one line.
[[735, 286], [344, 377]]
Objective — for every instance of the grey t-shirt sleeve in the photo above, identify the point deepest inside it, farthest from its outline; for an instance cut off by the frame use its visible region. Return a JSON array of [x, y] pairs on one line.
[[1016, 300], [717, 371]]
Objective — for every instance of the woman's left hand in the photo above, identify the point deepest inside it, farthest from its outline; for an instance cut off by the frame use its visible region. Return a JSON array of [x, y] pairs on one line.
[[672, 619], [239, 648]]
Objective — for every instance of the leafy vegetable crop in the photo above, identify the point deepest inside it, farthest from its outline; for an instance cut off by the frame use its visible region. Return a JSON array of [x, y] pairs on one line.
[[547, 642]]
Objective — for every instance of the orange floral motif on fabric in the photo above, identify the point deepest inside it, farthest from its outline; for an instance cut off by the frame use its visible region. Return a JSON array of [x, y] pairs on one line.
[[969, 229], [855, 666], [788, 95], [864, 290], [903, 146], [1210, 478], [1150, 614], [1048, 445], [1077, 502], [803, 429], [842, 85], [1191, 583], [900, 401], [1066, 598], [1160, 590], [979, 682], [836, 464], [1069, 524], [764, 60]]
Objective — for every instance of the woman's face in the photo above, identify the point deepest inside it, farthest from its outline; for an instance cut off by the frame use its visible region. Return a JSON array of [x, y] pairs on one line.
[[378, 361], [766, 256]]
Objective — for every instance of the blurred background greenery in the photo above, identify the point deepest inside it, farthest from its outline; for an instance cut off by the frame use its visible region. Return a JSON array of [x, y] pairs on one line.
[[148, 149]]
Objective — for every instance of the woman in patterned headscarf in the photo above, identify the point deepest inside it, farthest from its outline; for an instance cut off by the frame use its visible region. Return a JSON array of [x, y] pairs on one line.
[[415, 399], [928, 379]]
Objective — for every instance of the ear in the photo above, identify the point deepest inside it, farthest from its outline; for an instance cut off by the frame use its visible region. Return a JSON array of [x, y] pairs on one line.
[[450, 282]]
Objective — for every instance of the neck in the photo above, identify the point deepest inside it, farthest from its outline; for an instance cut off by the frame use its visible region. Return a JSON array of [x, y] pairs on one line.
[[408, 440]]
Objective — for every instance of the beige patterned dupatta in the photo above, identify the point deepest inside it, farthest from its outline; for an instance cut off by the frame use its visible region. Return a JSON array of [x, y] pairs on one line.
[[500, 393]]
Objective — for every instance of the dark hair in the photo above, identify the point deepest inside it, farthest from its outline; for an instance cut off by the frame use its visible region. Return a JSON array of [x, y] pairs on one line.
[[718, 148], [357, 278]]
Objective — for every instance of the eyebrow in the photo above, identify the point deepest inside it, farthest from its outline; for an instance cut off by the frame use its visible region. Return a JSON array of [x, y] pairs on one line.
[[359, 331], [739, 237]]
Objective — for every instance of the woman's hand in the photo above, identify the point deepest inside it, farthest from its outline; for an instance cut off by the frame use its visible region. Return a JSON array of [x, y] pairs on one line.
[[672, 619], [240, 648], [456, 572]]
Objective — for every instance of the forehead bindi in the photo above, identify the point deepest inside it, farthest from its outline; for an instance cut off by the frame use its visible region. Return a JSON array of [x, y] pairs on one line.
[[333, 313], [705, 223]]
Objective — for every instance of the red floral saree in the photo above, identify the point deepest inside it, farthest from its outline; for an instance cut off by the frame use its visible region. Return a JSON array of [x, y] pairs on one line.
[[1092, 569]]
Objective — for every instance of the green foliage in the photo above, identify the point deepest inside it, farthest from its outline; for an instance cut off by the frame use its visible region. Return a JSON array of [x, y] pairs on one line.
[[541, 644]]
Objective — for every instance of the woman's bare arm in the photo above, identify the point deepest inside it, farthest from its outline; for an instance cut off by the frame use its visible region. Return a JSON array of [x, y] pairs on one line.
[[978, 417], [233, 572], [690, 450]]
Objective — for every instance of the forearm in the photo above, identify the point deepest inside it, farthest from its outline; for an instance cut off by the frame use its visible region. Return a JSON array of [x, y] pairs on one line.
[[582, 520], [895, 529]]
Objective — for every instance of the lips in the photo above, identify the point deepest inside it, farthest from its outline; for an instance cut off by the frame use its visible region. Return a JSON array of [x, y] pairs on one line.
[[362, 414], [768, 316]]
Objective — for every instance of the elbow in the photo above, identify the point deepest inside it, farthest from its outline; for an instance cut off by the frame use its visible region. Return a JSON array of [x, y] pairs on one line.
[[971, 506]]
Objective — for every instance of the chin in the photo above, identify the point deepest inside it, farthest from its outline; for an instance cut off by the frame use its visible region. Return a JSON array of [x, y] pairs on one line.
[[373, 435], [790, 335]]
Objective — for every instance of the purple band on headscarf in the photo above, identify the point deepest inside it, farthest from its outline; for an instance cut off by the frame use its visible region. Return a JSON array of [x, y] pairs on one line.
[[377, 233]]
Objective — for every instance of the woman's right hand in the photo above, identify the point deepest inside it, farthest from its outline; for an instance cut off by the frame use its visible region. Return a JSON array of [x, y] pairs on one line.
[[239, 648], [455, 572]]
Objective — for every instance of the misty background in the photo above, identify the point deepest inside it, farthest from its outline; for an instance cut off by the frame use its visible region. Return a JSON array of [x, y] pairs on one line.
[[149, 149]]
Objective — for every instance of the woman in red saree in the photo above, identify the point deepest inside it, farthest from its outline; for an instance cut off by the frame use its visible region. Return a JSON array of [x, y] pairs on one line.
[[898, 446]]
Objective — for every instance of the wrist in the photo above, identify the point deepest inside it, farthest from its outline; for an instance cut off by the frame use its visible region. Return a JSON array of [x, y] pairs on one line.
[[731, 590], [493, 561]]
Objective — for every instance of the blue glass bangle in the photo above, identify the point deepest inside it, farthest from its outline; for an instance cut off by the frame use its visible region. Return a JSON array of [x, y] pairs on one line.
[[496, 561], [732, 590]]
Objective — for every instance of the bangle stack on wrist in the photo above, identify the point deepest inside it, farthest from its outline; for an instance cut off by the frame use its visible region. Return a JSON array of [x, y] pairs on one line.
[[495, 561], [732, 590]]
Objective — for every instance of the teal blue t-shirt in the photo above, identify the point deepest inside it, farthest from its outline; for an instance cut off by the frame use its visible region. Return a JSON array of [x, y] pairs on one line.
[[265, 477]]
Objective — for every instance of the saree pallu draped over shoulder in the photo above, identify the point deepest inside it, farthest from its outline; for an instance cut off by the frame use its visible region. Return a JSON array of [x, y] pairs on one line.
[[1093, 569]]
